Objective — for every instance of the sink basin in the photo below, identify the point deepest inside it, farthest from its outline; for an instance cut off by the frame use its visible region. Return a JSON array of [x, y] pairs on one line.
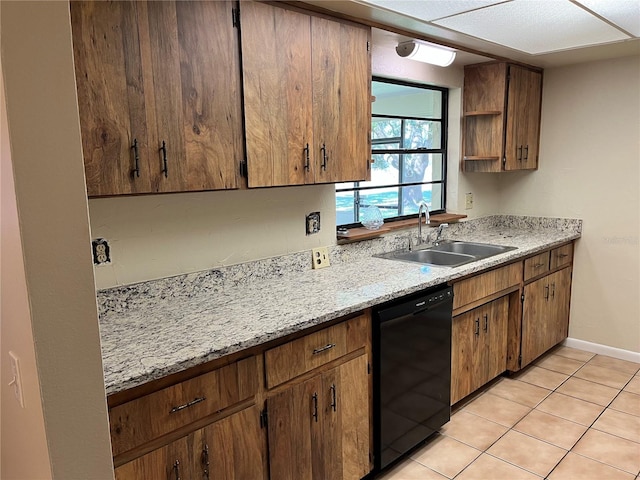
[[448, 253], [470, 248]]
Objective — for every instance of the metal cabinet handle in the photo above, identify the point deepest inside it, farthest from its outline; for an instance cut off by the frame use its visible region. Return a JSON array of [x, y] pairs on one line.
[[477, 332], [333, 397], [562, 255], [538, 265], [205, 461], [306, 157], [315, 406], [188, 404], [553, 290], [323, 165], [546, 292], [136, 170], [176, 470], [328, 346], [526, 152], [163, 149], [486, 322], [520, 153]]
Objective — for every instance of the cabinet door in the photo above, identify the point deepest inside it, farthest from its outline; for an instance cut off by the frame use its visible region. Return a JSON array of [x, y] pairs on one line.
[[495, 320], [111, 97], [341, 100], [233, 448], [276, 62], [523, 119], [467, 368], [535, 320], [170, 462], [345, 440], [197, 103], [560, 296], [293, 415]]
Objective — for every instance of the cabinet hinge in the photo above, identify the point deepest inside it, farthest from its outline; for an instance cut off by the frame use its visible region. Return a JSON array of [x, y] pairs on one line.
[[368, 46], [235, 15], [520, 360], [522, 298], [368, 164], [264, 418], [368, 368], [244, 170], [504, 160]]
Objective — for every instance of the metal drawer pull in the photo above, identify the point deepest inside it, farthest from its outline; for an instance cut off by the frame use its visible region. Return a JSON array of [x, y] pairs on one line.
[[477, 332], [306, 157], [136, 170], [546, 292], [188, 404], [163, 149], [538, 265], [333, 397], [205, 461], [315, 406], [176, 469], [486, 322], [553, 290], [328, 346], [562, 255]]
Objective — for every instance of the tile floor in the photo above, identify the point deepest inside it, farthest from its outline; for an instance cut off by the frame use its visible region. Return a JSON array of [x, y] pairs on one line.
[[571, 415]]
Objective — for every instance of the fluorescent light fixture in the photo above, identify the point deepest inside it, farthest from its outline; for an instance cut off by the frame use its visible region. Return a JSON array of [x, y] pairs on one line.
[[426, 52]]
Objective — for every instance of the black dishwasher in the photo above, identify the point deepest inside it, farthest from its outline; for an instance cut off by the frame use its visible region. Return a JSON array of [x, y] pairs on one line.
[[412, 374]]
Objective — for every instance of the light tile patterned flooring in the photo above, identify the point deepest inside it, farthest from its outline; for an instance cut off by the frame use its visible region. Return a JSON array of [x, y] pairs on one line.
[[571, 415]]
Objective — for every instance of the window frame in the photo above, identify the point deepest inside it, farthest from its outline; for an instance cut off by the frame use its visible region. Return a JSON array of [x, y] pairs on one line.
[[443, 150]]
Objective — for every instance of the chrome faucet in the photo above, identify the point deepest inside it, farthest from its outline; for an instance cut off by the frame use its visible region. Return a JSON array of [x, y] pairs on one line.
[[439, 232], [423, 207]]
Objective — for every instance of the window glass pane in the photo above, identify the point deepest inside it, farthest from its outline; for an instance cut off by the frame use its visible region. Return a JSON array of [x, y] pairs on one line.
[[384, 170], [421, 134], [386, 199], [405, 101], [385, 128], [422, 167], [345, 208], [412, 196]]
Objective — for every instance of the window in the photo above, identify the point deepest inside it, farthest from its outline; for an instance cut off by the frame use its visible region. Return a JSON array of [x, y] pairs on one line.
[[408, 143]]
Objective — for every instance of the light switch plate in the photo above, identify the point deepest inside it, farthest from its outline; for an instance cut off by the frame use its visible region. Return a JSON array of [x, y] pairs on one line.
[[468, 201], [320, 257]]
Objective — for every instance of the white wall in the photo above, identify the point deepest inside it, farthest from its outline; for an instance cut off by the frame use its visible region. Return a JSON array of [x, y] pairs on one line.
[[23, 443], [44, 136], [590, 169]]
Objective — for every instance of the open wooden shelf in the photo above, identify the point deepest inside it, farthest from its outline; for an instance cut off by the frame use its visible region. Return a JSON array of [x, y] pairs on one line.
[[478, 113]]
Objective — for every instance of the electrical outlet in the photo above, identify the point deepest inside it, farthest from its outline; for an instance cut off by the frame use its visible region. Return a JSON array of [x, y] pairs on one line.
[[320, 257], [468, 201], [312, 222], [101, 251], [16, 379]]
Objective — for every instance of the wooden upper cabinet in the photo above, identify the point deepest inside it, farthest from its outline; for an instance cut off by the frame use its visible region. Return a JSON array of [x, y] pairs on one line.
[[501, 117], [148, 73], [307, 84]]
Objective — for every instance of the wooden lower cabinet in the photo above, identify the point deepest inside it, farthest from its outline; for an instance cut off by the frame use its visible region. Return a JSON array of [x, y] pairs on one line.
[[319, 429], [231, 448], [479, 347], [545, 314]]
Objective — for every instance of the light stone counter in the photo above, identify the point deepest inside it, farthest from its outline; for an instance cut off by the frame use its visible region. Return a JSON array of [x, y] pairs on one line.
[[153, 329]]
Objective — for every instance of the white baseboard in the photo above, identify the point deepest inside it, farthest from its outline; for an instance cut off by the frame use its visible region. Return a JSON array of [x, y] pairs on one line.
[[602, 349]]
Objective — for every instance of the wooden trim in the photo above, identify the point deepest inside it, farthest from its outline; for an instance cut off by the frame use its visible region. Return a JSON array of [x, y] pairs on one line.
[[487, 299], [479, 113]]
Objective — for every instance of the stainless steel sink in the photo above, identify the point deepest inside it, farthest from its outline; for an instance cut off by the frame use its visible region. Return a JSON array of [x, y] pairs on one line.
[[448, 253], [470, 248]]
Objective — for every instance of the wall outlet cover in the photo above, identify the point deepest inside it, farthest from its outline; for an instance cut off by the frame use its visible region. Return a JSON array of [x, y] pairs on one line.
[[468, 201], [101, 251], [320, 257], [313, 223]]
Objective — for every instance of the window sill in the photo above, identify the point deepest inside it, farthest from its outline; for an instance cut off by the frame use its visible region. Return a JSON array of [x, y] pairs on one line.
[[357, 234]]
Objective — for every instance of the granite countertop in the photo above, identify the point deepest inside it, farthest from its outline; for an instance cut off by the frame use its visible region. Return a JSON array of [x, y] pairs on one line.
[[153, 329]]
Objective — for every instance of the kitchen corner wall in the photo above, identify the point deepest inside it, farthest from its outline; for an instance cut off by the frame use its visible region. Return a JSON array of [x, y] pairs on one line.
[[590, 169]]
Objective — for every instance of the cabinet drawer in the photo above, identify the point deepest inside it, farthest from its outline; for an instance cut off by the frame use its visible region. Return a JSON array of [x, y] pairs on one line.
[[149, 417], [561, 256], [485, 284], [537, 265], [304, 354]]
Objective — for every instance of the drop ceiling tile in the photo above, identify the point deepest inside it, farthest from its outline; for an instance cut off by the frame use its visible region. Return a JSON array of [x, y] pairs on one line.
[[535, 27], [428, 10], [624, 13]]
